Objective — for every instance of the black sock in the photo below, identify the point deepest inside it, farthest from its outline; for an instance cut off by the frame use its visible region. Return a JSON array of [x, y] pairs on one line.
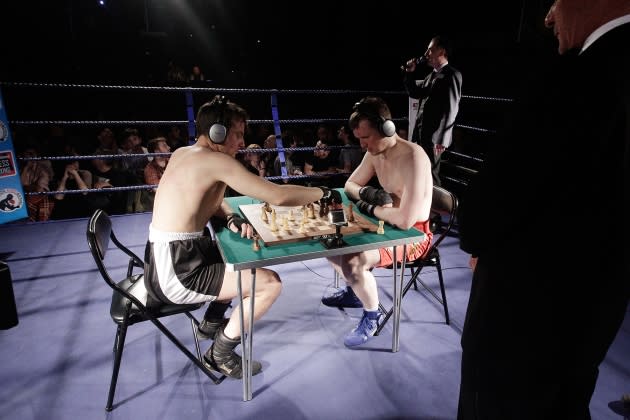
[[216, 310]]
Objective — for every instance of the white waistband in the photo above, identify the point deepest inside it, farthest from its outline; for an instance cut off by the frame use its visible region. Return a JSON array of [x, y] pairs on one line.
[[156, 235]]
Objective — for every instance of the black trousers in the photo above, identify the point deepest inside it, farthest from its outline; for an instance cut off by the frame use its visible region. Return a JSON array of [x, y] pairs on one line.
[[530, 352]]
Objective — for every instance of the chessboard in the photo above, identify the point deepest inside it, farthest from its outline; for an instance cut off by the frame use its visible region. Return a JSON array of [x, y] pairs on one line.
[[289, 225]]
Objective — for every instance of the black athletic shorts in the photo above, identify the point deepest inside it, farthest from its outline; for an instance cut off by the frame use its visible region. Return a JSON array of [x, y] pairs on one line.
[[182, 267]]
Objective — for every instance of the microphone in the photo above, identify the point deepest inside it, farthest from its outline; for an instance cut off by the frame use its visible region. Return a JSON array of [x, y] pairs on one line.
[[418, 61]]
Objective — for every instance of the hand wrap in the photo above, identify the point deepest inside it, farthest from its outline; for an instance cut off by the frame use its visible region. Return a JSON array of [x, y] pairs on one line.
[[234, 218], [365, 207], [330, 196], [376, 196]]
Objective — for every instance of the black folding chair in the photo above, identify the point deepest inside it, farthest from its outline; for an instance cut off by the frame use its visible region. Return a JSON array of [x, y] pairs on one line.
[[445, 204], [130, 302]]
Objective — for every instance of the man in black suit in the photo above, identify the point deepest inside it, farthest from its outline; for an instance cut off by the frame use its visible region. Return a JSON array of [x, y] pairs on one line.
[[545, 306], [439, 94]]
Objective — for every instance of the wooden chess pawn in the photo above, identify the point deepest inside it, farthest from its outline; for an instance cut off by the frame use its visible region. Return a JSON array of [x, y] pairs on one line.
[[311, 211], [285, 224], [290, 217], [255, 245], [350, 213], [273, 226], [302, 228], [263, 215], [381, 229]]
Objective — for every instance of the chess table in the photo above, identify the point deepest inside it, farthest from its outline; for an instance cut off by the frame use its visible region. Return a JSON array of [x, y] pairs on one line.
[[238, 254]]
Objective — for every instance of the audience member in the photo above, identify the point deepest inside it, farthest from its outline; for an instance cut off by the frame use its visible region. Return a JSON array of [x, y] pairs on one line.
[[74, 205], [196, 75], [107, 145], [131, 143], [155, 169], [36, 176], [288, 141], [174, 137], [175, 73], [268, 158], [326, 135], [350, 155], [107, 176], [298, 157], [253, 161], [320, 162], [153, 173]]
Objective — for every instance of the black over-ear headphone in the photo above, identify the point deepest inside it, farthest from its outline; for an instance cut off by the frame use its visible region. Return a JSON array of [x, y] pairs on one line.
[[218, 130], [384, 125]]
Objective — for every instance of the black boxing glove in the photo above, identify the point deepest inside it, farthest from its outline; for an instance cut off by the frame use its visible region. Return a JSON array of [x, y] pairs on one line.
[[365, 207], [331, 196], [234, 218], [376, 196]]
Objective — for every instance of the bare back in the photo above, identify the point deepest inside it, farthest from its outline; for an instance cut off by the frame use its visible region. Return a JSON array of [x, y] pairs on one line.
[[187, 195]]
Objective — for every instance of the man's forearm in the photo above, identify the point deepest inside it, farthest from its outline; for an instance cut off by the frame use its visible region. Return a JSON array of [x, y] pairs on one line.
[[352, 190], [224, 210]]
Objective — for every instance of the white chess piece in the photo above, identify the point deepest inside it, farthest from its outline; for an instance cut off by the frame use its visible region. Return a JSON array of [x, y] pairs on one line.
[[381, 229]]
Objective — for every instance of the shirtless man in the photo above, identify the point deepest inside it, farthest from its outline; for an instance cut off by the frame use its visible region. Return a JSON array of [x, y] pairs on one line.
[[182, 265], [404, 171]]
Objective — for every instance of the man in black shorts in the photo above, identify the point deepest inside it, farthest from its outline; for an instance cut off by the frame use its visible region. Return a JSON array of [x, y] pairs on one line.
[[182, 264]]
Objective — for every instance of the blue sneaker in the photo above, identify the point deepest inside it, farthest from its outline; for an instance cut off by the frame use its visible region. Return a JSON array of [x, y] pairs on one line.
[[368, 325], [344, 298]]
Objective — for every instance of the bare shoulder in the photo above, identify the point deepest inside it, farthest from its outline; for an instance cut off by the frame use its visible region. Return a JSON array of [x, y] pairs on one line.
[[408, 149], [202, 156], [411, 153]]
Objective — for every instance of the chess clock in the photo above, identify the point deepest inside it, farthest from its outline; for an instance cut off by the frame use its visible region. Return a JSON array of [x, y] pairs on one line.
[[337, 217]]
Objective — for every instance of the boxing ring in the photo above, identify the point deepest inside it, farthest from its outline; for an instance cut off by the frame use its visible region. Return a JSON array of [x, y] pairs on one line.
[[460, 165], [60, 351]]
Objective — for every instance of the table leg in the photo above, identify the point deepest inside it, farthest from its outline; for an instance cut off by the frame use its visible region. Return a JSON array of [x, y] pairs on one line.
[[247, 334], [398, 288]]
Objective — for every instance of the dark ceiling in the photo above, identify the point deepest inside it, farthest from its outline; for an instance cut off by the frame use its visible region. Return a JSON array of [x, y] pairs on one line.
[[238, 43]]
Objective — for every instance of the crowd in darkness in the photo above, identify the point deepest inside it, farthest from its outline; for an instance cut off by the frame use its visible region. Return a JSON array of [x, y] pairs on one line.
[[130, 156]]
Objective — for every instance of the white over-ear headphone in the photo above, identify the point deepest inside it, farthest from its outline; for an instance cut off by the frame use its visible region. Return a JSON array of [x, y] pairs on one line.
[[384, 125], [218, 130]]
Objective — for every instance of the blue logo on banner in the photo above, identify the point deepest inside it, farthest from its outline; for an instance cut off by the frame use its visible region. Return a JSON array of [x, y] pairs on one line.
[[12, 200]]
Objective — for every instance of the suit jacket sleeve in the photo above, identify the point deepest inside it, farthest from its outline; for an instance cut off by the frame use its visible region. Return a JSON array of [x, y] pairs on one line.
[[415, 90], [447, 91]]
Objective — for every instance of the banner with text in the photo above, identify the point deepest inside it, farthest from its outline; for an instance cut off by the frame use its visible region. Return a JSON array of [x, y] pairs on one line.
[[413, 112], [12, 200]]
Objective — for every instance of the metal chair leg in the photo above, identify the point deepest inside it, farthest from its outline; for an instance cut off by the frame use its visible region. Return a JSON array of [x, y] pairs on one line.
[[119, 345], [438, 265], [389, 313], [194, 324]]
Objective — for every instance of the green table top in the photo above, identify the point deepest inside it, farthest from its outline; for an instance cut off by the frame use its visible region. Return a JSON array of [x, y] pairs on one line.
[[238, 254]]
